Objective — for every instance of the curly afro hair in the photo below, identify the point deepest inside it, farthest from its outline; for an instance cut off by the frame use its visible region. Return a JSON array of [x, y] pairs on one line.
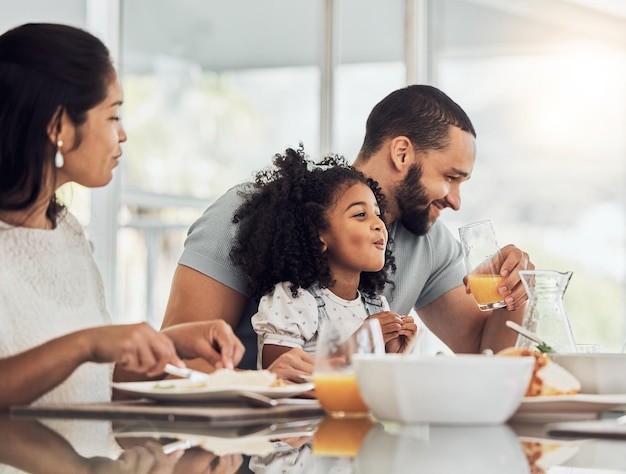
[[279, 223]]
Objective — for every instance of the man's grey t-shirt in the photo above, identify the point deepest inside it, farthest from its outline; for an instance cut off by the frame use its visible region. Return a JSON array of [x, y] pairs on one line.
[[427, 266]]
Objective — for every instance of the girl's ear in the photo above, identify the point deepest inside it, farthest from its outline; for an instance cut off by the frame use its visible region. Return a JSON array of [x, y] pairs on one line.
[[323, 241], [402, 153], [324, 246]]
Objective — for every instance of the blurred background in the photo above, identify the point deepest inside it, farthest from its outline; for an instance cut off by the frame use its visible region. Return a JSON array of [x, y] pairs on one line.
[[214, 89]]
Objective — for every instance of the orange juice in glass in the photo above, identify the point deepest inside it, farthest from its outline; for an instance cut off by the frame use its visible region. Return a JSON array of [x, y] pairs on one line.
[[334, 376], [485, 288], [338, 394], [482, 258]]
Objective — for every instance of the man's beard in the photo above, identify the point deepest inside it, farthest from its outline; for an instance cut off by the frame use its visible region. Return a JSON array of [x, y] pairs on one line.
[[413, 202]]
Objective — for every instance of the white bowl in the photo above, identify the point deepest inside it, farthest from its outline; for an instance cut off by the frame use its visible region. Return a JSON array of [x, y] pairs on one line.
[[602, 373], [463, 389]]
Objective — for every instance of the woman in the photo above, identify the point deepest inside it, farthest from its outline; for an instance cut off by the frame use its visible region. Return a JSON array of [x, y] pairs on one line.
[[59, 122]]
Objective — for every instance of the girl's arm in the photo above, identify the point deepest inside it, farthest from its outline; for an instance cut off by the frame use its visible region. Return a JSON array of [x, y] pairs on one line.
[[283, 324]]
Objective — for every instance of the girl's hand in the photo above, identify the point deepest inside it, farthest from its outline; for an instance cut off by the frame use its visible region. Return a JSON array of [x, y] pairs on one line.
[[407, 334], [390, 324], [398, 331], [292, 364]]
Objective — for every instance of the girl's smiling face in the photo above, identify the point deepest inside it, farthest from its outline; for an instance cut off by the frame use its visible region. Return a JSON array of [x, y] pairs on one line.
[[356, 237]]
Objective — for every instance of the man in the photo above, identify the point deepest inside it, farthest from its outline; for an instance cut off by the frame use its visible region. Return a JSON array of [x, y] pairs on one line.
[[420, 147]]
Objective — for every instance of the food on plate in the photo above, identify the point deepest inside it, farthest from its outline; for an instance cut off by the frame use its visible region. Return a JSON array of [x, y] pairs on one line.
[[229, 377], [548, 377], [545, 348], [257, 378]]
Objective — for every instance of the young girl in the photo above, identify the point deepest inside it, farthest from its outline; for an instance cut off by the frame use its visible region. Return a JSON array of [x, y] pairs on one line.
[[313, 243]]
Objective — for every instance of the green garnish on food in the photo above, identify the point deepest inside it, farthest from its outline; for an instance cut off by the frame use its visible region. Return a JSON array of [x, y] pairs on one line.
[[545, 348], [163, 386]]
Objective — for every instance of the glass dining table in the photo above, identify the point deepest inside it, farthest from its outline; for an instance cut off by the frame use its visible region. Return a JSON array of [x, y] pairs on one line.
[[166, 438]]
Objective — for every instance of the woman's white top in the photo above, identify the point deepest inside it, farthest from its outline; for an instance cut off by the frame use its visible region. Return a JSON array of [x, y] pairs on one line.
[[50, 286]]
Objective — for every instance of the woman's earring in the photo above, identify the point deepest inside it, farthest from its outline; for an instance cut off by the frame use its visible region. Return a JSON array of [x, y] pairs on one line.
[[58, 158]]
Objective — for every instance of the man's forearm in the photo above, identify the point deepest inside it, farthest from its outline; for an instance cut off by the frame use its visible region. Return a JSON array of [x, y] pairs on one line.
[[496, 335]]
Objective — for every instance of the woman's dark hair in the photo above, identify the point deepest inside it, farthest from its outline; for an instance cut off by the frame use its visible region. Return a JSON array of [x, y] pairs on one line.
[[279, 224], [45, 69], [419, 112]]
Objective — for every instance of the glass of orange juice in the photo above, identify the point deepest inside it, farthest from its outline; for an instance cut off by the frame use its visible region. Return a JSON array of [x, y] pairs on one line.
[[334, 376], [482, 262]]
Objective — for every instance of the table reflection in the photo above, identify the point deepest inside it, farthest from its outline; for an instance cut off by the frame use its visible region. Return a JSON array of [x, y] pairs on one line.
[[34, 447], [315, 445], [390, 448]]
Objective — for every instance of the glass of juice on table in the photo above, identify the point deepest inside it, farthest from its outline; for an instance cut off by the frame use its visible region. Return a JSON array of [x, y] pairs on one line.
[[333, 374], [482, 262]]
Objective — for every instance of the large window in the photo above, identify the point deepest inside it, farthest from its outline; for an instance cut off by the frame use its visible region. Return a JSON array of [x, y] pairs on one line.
[[370, 64], [547, 97]]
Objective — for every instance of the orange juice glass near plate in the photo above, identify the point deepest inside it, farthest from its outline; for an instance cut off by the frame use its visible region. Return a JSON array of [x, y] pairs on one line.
[[338, 394], [485, 288], [334, 375]]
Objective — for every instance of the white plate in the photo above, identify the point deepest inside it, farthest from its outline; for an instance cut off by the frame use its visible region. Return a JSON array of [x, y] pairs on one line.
[[184, 390], [583, 405]]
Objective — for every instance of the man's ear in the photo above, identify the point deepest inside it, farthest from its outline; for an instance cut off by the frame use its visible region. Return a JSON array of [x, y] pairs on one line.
[[402, 152]]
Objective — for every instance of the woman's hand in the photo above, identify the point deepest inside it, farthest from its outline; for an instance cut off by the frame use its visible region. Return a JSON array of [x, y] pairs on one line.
[[133, 347], [212, 340]]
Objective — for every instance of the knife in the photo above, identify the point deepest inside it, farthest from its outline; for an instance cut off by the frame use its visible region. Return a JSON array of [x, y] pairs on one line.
[[186, 373]]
